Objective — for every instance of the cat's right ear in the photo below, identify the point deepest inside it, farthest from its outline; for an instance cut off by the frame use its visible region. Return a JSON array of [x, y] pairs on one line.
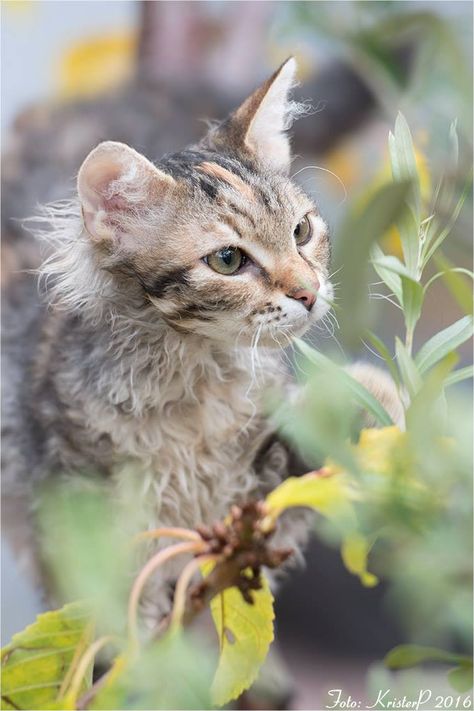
[[115, 182]]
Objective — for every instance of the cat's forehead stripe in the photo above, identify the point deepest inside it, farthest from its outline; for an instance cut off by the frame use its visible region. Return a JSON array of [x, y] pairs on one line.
[[217, 171]]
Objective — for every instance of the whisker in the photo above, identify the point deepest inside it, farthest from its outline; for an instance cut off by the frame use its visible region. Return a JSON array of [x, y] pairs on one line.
[[325, 170]]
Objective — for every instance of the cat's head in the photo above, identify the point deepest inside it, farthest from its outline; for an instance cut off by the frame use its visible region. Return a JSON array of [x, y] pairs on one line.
[[221, 240]]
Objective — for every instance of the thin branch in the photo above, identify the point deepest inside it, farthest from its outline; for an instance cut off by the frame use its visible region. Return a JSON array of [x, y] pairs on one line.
[[168, 532], [182, 586], [86, 659], [158, 559]]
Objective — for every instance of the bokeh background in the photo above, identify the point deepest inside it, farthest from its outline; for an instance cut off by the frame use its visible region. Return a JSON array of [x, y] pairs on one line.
[[149, 74]]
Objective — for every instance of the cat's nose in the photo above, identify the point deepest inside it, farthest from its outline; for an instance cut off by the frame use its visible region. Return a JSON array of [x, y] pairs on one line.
[[306, 296]]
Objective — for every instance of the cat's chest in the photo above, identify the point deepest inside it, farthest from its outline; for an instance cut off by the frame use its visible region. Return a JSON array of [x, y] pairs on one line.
[[190, 454]]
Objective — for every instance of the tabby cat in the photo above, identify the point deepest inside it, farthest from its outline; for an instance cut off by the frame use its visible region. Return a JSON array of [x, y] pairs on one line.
[[170, 287]]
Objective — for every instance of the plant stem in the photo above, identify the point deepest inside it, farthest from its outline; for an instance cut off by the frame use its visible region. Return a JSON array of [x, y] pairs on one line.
[[182, 586], [86, 659], [81, 647], [168, 532], [158, 559], [409, 340]]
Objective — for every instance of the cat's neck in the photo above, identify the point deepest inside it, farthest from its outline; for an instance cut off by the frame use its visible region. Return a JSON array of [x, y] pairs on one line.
[[169, 365]]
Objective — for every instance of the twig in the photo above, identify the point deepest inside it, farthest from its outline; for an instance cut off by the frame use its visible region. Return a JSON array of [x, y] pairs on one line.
[[158, 559], [168, 532], [86, 659], [182, 586]]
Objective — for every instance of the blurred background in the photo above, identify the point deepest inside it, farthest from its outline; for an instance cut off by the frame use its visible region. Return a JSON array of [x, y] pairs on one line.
[[150, 74]]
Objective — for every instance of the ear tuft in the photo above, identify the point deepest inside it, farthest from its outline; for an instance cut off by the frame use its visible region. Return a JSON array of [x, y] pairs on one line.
[[113, 180], [259, 125]]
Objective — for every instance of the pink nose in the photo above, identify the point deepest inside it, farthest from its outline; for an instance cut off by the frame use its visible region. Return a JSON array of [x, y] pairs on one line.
[[306, 296]]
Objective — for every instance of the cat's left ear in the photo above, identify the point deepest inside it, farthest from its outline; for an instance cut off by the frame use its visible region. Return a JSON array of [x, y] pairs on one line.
[[259, 125], [115, 185]]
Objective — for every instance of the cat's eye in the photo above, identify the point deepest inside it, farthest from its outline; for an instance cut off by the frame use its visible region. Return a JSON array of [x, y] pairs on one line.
[[303, 231], [226, 261]]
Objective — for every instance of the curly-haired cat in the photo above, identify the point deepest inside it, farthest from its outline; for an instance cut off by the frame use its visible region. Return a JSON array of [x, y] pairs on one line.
[[163, 280]]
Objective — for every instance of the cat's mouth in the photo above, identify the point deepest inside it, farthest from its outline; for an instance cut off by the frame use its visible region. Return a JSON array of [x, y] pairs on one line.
[[290, 320]]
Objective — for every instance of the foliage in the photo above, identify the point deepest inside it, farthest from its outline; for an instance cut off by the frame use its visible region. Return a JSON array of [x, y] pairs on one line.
[[400, 498], [231, 555], [407, 655], [245, 633], [40, 664]]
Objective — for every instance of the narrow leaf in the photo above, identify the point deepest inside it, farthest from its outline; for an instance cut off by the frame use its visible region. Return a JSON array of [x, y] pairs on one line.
[[358, 234], [459, 375], [390, 277], [436, 241], [404, 168], [408, 370], [428, 405], [456, 283], [380, 346], [392, 264], [413, 294], [360, 394], [443, 343], [408, 655]]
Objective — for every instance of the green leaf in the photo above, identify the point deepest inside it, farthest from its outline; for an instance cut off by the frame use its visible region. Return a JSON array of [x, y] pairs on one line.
[[456, 283], [358, 234], [392, 264], [459, 375], [409, 655], [360, 394], [404, 168], [173, 673], [380, 346], [81, 518], [428, 405], [413, 295], [406, 288], [39, 661], [461, 678], [453, 144], [389, 276], [402, 156], [443, 343], [245, 634], [435, 242], [408, 369]]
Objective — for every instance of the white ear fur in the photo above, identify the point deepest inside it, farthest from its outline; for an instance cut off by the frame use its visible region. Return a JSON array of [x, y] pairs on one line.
[[114, 179], [272, 116]]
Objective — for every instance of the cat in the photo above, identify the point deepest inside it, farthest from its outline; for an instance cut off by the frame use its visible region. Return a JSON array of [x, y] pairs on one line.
[[167, 293]]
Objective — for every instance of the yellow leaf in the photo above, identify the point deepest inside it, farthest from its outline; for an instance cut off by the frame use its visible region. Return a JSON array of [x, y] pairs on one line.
[[377, 448], [330, 495], [39, 660], [354, 552], [245, 633]]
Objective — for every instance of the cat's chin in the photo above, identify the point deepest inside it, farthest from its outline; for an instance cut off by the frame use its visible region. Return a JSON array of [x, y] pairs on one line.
[[282, 338]]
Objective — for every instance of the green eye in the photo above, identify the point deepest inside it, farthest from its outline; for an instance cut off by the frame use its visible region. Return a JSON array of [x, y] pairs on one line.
[[303, 231], [226, 261]]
